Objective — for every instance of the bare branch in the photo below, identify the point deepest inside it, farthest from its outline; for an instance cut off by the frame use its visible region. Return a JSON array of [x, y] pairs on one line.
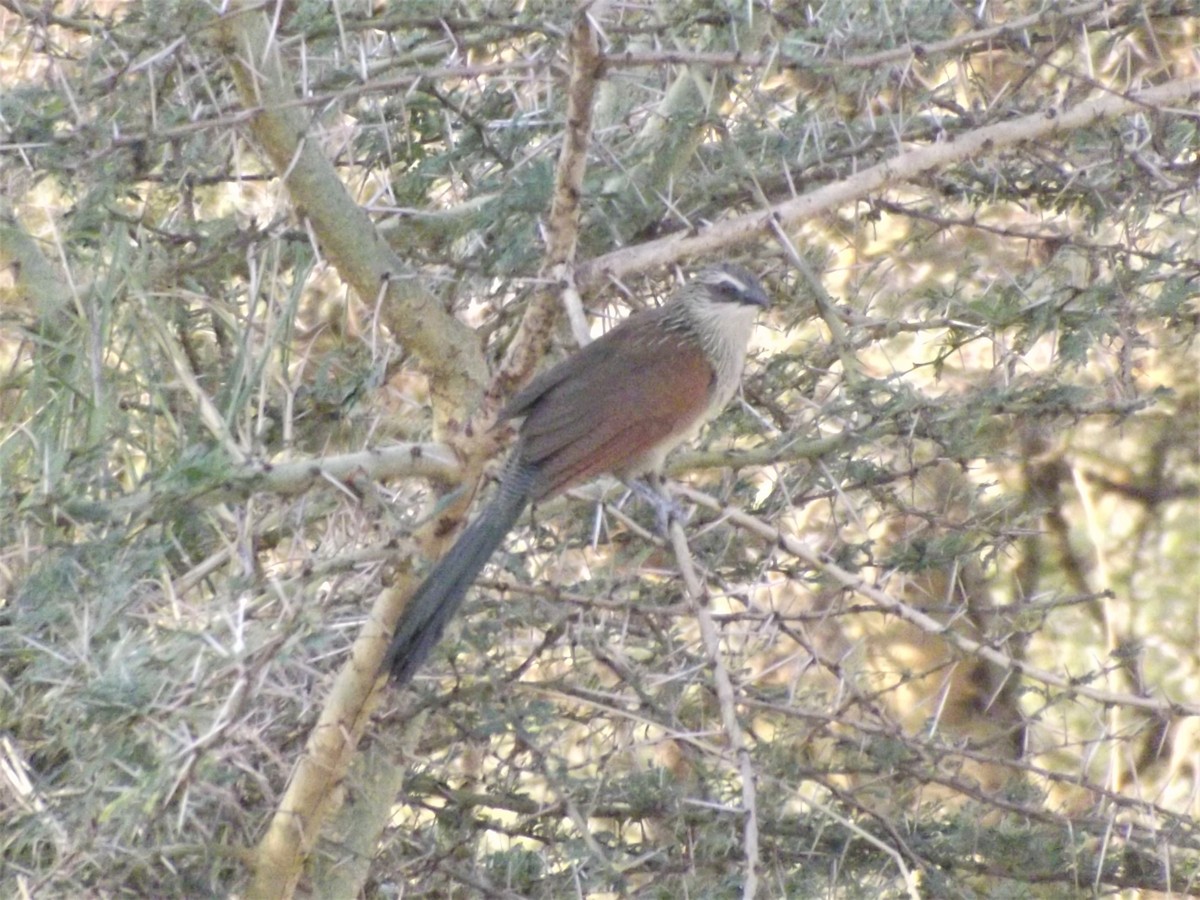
[[448, 349], [750, 226]]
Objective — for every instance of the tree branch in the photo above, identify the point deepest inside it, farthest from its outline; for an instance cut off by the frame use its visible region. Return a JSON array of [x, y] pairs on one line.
[[448, 349], [753, 225], [533, 337]]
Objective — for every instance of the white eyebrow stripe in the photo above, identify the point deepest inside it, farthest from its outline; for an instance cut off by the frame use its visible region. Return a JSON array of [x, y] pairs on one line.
[[725, 278]]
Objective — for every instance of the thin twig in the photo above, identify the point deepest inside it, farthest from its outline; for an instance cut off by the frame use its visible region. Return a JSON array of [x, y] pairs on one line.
[[859, 585], [698, 596]]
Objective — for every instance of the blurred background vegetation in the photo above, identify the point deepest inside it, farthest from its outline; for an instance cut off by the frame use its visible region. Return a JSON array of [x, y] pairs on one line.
[[978, 390]]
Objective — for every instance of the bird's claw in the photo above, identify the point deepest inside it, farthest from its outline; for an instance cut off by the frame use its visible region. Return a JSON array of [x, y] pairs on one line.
[[666, 508]]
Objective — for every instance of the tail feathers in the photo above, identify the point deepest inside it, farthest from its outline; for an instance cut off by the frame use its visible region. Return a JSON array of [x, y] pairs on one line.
[[439, 596]]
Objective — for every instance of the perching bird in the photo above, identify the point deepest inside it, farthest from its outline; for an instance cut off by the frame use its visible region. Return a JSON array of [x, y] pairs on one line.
[[618, 406]]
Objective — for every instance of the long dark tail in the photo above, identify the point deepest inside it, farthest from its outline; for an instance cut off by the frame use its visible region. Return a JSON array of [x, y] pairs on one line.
[[438, 598]]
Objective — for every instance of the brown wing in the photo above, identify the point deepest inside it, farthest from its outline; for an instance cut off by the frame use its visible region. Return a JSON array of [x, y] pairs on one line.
[[615, 406]]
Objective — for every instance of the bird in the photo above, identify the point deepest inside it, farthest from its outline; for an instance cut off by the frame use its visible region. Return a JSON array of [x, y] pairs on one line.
[[617, 406]]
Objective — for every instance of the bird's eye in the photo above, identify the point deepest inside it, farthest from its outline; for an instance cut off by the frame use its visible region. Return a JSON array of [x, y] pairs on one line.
[[731, 287], [728, 285]]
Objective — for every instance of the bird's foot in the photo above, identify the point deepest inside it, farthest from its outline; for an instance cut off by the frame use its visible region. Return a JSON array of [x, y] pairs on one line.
[[666, 508]]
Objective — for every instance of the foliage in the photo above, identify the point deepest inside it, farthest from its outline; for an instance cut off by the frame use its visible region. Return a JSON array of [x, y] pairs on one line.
[[986, 403]]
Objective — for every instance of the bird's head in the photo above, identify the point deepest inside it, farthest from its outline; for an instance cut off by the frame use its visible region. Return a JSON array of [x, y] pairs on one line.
[[732, 284]]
